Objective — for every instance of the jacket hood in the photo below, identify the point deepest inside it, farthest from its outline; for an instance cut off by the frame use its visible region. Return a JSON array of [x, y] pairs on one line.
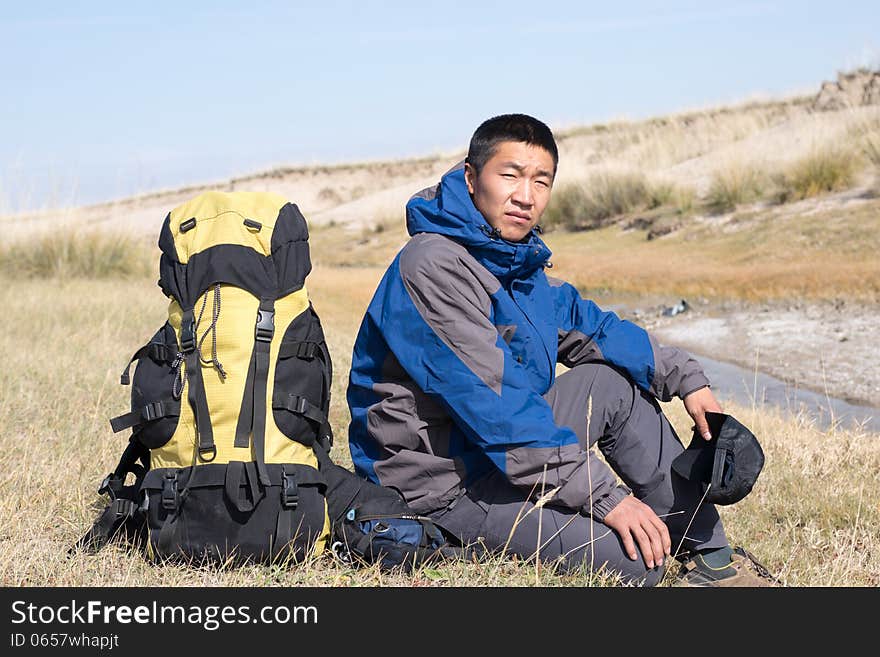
[[447, 209]]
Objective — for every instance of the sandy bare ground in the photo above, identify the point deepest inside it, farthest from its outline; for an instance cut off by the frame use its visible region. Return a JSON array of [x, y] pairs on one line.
[[827, 347]]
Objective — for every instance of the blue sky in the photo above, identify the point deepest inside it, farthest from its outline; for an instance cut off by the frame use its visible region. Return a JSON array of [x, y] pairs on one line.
[[102, 99]]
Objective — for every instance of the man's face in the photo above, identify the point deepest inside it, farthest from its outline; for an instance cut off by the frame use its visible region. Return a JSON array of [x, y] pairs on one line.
[[513, 188]]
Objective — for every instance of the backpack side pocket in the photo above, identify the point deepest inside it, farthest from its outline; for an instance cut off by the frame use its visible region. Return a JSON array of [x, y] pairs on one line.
[[155, 391], [301, 392]]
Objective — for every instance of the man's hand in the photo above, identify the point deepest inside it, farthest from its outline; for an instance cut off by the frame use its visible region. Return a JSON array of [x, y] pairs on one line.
[[697, 403], [633, 519]]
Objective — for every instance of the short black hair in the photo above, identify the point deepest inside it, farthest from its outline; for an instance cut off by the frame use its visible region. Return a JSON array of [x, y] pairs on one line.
[[509, 127]]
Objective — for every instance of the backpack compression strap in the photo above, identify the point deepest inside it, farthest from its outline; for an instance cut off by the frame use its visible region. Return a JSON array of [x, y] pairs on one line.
[[139, 416], [196, 394], [155, 350], [252, 416]]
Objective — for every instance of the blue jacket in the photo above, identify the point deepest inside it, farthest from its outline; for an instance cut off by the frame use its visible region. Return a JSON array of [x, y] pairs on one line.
[[456, 350]]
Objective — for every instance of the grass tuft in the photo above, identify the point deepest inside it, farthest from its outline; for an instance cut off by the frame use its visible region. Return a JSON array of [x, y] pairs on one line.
[[76, 255], [567, 205], [605, 196], [871, 148], [681, 199], [828, 169], [867, 138], [734, 185]]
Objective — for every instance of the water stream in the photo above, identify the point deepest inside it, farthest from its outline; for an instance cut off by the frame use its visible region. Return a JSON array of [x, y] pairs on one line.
[[749, 387]]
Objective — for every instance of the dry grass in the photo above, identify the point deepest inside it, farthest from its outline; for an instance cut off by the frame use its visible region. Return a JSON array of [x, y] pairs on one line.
[[56, 443], [61, 254], [814, 516], [764, 256], [761, 255], [609, 195], [374, 245], [864, 136], [827, 169], [728, 158], [871, 148], [734, 185], [660, 143]]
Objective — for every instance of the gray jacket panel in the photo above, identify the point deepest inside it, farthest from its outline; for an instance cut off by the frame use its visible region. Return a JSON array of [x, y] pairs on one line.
[[413, 431], [676, 372]]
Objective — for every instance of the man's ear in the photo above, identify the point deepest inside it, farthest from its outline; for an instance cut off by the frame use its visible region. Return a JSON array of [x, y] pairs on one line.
[[470, 175]]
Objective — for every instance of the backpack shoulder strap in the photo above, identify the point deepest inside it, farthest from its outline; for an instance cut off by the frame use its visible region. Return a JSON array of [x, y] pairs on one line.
[[252, 416]]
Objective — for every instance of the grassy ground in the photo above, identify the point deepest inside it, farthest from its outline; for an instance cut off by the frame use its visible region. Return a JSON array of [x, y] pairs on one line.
[[757, 255], [814, 516], [812, 250]]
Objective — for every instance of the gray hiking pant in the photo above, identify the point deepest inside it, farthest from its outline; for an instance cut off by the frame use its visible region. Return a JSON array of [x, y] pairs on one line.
[[639, 446]]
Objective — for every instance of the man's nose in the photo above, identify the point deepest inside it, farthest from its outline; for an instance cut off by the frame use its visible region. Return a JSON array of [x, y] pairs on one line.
[[522, 193]]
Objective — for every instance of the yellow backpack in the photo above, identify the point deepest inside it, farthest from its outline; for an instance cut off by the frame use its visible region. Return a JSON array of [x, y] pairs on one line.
[[230, 396]]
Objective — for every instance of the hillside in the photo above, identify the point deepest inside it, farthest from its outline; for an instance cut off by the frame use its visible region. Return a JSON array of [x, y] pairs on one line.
[[679, 153]]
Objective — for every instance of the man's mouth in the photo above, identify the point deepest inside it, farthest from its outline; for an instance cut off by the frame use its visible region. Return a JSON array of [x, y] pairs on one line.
[[519, 216]]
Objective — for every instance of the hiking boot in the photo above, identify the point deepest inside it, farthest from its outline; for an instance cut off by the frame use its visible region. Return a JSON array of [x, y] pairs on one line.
[[743, 570]]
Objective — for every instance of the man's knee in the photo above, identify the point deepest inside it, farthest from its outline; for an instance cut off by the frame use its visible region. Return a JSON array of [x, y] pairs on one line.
[[612, 383], [602, 380], [608, 394]]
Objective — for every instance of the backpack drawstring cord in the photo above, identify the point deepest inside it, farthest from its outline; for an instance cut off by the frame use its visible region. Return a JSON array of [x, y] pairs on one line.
[[212, 329], [177, 388]]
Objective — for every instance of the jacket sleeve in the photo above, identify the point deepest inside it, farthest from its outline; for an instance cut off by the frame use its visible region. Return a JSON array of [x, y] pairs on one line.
[[588, 334], [436, 317]]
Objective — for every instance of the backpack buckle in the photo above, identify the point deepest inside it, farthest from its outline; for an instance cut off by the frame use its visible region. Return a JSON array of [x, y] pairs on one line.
[[105, 485], [170, 498], [187, 336], [122, 508], [265, 328], [299, 404], [289, 491], [153, 411], [112, 485]]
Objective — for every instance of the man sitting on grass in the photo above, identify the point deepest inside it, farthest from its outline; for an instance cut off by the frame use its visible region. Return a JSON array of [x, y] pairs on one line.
[[455, 402]]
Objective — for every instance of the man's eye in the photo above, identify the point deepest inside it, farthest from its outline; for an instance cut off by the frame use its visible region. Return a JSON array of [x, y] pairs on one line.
[[542, 183], [509, 176]]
